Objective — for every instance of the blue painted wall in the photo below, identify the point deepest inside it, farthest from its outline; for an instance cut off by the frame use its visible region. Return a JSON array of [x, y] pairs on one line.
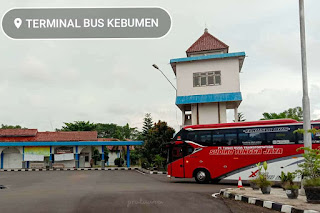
[[222, 97]]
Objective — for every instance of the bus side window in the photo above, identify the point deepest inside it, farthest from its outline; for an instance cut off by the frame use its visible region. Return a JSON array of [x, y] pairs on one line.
[[225, 137], [188, 150], [177, 153], [316, 137], [249, 139], [191, 136], [174, 152], [204, 138], [298, 136], [231, 139], [217, 138], [282, 137]]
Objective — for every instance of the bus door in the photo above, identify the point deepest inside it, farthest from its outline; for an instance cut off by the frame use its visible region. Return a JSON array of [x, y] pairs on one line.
[[177, 165]]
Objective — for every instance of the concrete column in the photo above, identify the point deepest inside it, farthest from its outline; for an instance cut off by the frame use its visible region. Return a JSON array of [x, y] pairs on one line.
[[50, 160], [128, 156], [183, 116], [1, 167], [222, 112], [23, 162], [102, 157], [194, 113], [236, 114], [77, 158]]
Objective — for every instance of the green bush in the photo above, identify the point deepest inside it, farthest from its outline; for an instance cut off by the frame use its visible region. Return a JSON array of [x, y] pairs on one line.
[[310, 169], [119, 162], [287, 180], [262, 177], [312, 182], [289, 186], [145, 163], [159, 161]]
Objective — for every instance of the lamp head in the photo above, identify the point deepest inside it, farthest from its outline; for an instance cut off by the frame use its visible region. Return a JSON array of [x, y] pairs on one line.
[[155, 66]]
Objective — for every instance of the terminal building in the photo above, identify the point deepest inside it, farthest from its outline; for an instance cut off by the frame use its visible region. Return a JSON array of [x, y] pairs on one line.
[[208, 81], [28, 148]]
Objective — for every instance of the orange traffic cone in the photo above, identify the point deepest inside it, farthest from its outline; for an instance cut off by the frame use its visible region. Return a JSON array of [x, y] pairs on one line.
[[240, 183]]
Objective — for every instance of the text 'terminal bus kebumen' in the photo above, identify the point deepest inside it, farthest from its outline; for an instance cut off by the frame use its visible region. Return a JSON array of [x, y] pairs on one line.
[[75, 23]]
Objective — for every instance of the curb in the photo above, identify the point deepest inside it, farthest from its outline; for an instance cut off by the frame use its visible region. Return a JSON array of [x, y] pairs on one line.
[[145, 171], [264, 203], [69, 169]]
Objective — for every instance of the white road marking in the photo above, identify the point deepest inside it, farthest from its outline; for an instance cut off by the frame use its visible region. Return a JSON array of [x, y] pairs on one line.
[[215, 195], [140, 172]]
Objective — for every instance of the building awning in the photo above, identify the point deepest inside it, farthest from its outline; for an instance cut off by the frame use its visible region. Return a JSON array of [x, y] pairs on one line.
[[240, 55], [73, 143]]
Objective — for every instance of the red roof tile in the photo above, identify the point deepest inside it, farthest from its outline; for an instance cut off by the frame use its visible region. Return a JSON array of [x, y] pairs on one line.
[[18, 132], [206, 42], [67, 136], [16, 136]]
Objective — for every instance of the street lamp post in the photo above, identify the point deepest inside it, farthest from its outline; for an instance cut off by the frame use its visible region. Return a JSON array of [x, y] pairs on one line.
[[305, 99], [156, 67]]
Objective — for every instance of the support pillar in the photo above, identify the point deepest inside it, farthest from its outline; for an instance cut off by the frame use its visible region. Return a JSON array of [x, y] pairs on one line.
[[23, 162], [198, 119], [128, 156], [77, 158], [50, 160], [183, 116], [236, 114], [102, 156], [1, 159]]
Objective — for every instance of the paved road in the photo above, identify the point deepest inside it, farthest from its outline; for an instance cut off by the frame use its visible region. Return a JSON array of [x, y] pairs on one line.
[[110, 191]]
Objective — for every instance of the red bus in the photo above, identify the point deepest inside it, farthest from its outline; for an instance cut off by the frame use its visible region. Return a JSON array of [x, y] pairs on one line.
[[229, 150]]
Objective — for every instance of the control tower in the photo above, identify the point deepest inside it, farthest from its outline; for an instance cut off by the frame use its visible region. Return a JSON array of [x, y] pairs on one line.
[[208, 81]]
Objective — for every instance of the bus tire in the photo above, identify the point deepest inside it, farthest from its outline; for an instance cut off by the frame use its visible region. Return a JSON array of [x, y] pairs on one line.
[[202, 176]]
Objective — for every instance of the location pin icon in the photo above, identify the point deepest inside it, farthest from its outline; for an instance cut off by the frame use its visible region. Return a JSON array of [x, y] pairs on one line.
[[18, 22]]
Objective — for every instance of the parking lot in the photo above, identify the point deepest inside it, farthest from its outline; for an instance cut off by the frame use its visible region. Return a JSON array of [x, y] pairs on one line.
[[110, 191]]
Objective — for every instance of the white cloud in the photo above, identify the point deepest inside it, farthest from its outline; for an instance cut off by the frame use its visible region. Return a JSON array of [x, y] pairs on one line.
[[46, 83], [33, 68]]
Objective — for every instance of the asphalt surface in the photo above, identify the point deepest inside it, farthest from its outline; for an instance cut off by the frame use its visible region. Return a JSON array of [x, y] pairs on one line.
[[111, 191]]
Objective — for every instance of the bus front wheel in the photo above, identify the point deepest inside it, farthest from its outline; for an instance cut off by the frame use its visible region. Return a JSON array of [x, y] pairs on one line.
[[202, 176]]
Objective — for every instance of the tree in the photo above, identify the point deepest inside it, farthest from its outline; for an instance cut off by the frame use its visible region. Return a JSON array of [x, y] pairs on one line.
[[158, 160], [105, 130], [134, 157], [147, 124], [78, 126], [3, 126], [96, 155], [240, 117], [157, 137], [294, 113]]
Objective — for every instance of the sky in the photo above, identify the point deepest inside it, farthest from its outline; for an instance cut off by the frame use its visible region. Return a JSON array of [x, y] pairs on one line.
[[44, 83]]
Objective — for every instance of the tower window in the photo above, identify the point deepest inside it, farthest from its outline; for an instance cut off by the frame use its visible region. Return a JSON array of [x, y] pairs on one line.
[[211, 78]]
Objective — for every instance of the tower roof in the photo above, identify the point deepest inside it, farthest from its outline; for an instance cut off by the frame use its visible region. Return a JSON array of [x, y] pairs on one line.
[[206, 42]]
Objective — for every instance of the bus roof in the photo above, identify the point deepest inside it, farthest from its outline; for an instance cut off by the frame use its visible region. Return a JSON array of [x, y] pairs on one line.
[[243, 124]]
